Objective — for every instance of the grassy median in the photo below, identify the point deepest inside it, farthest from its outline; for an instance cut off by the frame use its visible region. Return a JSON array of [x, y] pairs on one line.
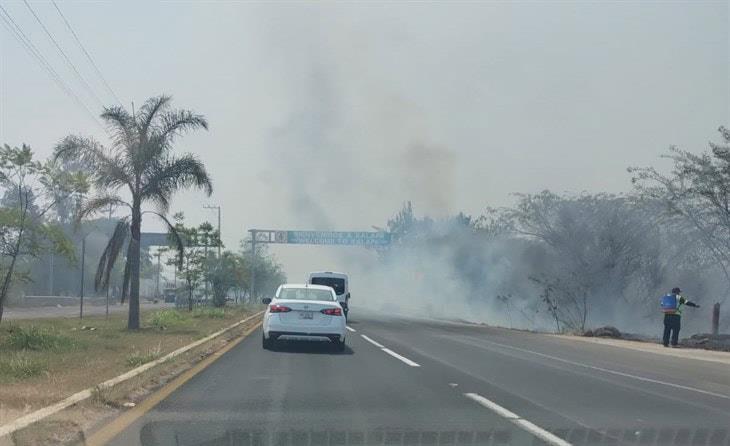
[[45, 360]]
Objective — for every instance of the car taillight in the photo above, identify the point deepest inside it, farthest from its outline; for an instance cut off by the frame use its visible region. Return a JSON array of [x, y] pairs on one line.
[[332, 311], [273, 308]]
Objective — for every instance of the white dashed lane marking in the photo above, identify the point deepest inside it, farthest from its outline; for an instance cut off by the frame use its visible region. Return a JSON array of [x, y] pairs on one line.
[[532, 428], [371, 341], [391, 352], [401, 357]]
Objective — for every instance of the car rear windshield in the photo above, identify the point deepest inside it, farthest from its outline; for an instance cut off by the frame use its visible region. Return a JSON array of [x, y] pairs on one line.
[[305, 294], [337, 284]]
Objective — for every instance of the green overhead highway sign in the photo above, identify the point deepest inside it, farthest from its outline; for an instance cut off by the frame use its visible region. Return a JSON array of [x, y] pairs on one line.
[[351, 238], [338, 238]]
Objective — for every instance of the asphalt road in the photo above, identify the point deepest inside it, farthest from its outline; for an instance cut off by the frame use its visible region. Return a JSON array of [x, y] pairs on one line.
[[423, 382]]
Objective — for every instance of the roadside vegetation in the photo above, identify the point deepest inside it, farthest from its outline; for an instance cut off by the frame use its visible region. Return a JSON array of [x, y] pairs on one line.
[[137, 358], [227, 276], [18, 366], [31, 190], [96, 193], [36, 338], [45, 360], [140, 161]]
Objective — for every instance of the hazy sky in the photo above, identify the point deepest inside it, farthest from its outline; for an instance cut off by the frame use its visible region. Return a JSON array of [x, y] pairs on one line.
[[329, 116]]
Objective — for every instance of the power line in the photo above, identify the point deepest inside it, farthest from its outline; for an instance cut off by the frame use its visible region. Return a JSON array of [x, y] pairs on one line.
[[28, 45], [88, 56], [63, 53], [35, 53]]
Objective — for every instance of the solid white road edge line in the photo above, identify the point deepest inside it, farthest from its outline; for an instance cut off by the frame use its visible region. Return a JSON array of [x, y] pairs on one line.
[[27, 420], [402, 358], [613, 372], [350, 328], [372, 342], [521, 422]]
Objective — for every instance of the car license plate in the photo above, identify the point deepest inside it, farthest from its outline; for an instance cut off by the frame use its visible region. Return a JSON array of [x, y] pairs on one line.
[[306, 315]]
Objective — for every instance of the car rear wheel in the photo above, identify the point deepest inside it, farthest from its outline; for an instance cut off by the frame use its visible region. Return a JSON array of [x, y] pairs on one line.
[[267, 344]]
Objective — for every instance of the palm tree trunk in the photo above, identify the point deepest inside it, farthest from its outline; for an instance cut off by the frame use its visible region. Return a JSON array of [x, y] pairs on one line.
[[133, 321]]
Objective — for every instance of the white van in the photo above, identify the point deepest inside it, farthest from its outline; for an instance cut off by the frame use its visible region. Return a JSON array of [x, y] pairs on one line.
[[337, 281]]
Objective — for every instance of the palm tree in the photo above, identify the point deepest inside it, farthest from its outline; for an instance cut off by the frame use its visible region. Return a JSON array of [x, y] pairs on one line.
[[139, 160]]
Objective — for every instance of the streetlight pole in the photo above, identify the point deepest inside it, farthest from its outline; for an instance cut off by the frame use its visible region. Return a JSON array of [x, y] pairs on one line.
[[219, 226], [253, 264]]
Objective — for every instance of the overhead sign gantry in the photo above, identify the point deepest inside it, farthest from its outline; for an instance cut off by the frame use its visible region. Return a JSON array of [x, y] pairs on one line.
[[341, 238], [352, 238]]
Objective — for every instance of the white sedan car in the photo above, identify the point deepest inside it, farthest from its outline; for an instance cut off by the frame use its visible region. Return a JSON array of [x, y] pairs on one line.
[[304, 312]]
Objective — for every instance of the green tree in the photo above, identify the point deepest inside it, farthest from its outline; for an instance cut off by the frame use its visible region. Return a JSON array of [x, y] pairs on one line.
[[403, 222], [32, 189], [192, 266], [140, 161], [196, 260], [241, 277], [269, 274], [697, 193], [208, 237], [222, 277], [599, 245]]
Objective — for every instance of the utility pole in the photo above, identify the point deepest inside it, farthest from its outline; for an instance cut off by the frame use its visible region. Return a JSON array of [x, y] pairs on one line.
[[83, 264], [157, 286], [50, 277], [716, 319], [253, 264], [205, 278], [174, 283], [108, 285], [219, 226], [83, 258]]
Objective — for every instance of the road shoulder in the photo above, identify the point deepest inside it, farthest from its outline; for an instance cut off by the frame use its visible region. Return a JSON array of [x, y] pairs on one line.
[[108, 431], [648, 347]]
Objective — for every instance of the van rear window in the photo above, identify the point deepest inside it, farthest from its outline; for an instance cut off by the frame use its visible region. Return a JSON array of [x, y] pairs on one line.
[[305, 294], [337, 284]]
